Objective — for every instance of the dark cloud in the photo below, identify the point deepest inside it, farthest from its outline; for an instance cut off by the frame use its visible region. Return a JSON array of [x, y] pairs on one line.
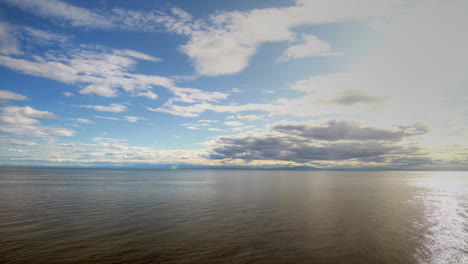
[[290, 148], [353, 96], [336, 140], [411, 161], [347, 130]]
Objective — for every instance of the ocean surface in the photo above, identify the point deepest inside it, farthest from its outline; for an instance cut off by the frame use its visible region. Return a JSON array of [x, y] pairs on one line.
[[232, 216]]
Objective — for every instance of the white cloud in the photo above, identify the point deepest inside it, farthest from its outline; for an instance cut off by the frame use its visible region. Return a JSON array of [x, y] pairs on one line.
[[20, 121], [196, 109], [190, 95], [423, 49], [12, 150], [133, 119], [228, 41], [108, 118], [224, 43], [201, 124], [216, 129], [148, 94], [8, 42], [177, 21], [233, 123], [337, 89], [106, 139], [22, 115], [98, 69], [77, 16], [242, 128], [312, 47], [41, 36], [116, 108], [83, 120], [68, 94], [102, 150], [415, 72], [207, 121], [137, 55], [249, 117], [324, 95], [16, 142], [5, 96]]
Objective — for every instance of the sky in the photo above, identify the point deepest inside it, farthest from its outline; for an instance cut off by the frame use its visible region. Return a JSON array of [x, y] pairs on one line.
[[319, 84]]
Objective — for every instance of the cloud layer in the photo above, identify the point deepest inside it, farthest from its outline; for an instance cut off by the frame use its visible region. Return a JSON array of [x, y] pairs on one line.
[[331, 141]]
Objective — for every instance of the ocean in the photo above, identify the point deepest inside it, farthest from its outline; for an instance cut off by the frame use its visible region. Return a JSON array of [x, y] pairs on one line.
[[58, 215]]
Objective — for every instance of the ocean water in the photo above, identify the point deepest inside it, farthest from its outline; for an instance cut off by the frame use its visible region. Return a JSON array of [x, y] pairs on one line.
[[232, 216]]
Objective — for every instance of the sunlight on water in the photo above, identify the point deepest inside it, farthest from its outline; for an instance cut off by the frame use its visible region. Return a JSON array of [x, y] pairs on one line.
[[445, 201]]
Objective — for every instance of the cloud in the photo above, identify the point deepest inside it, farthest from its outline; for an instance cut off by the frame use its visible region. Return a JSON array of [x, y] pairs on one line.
[[102, 71], [190, 95], [21, 121], [137, 55], [249, 117], [233, 123], [148, 94], [22, 115], [132, 119], [8, 42], [323, 95], [207, 121], [419, 50], [17, 142], [83, 120], [68, 94], [223, 43], [12, 150], [417, 64], [41, 36], [355, 96], [312, 47], [77, 16], [334, 130], [216, 129], [201, 99], [288, 148], [202, 124], [106, 139], [228, 40], [329, 143], [37, 131], [178, 21], [338, 89], [108, 118], [109, 150], [99, 70], [115, 108], [5, 96]]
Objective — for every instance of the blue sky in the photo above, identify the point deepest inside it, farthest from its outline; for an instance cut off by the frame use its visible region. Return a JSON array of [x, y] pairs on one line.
[[356, 84]]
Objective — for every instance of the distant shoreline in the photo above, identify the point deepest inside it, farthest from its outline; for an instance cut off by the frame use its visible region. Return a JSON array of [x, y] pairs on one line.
[[218, 168]]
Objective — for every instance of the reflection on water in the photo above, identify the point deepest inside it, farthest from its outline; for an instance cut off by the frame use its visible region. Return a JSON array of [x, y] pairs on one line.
[[445, 202], [229, 216]]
